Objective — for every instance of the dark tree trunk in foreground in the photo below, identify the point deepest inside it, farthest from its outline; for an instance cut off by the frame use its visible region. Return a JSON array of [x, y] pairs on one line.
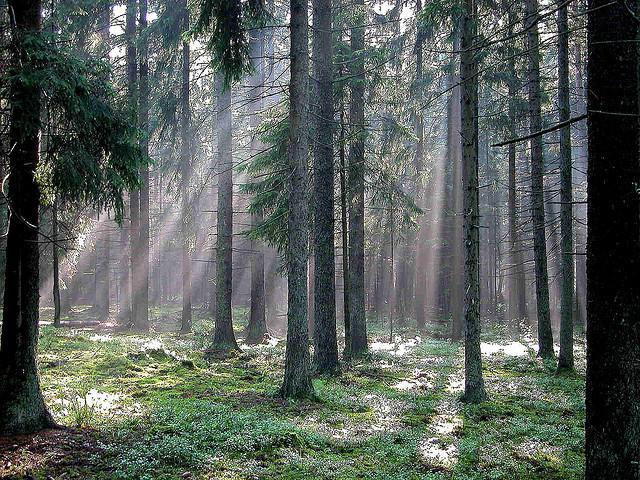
[[141, 263], [473, 382], [22, 408], [297, 380], [357, 321], [56, 265], [565, 359], [545, 335], [326, 344], [185, 168], [612, 447], [344, 226], [223, 336], [257, 326]]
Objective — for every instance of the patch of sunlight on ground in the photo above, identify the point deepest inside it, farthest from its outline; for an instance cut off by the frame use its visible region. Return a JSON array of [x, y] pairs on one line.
[[397, 348], [456, 383], [445, 424], [438, 453], [100, 338], [272, 342]]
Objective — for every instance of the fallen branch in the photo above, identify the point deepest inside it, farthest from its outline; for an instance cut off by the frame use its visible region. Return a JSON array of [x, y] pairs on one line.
[[557, 126]]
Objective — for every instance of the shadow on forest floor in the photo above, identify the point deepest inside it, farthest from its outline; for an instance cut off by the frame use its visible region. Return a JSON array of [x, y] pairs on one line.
[[150, 407]]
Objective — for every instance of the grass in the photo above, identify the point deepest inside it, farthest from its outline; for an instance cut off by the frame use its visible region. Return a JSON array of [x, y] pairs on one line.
[[150, 407]]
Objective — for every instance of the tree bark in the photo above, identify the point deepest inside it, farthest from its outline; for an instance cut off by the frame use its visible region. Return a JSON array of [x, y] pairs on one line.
[[545, 335], [185, 166], [142, 254], [474, 391], [612, 446], [56, 270], [326, 343], [22, 408], [297, 380], [357, 320], [257, 326], [565, 358], [224, 339]]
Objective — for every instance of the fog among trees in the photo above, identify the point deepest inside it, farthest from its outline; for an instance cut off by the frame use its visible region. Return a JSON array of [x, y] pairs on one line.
[[319, 239]]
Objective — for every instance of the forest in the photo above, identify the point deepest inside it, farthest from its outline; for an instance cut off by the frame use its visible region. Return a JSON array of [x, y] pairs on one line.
[[320, 239]]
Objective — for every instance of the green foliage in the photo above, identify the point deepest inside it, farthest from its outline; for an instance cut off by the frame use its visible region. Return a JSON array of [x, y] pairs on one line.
[[269, 188], [223, 25], [91, 152]]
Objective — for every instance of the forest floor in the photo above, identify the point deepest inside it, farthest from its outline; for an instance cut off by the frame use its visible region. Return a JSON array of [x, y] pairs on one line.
[[150, 407]]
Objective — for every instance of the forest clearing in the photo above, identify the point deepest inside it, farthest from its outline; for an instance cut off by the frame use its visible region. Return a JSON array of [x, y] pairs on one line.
[[320, 239], [149, 407]]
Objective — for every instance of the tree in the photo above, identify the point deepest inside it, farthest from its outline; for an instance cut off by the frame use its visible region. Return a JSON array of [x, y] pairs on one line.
[[224, 339], [356, 344], [297, 380], [326, 345], [185, 175], [612, 446], [257, 326], [565, 358], [90, 159], [474, 391], [545, 335]]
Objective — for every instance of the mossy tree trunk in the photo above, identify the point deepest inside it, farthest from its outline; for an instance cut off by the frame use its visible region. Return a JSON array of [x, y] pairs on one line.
[[297, 379], [22, 408]]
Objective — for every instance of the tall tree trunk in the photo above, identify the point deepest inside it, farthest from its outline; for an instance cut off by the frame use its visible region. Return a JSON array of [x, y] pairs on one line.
[[326, 344], [545, 335], [612, 446], [344, 225], [185, 166], [474, 391], [297, 379], [224, 339], [517, 291], [22, 408], [142, 255], [134, 196], [257, 327], [56, 270], [357, 320], [565, 359], [456, 259]]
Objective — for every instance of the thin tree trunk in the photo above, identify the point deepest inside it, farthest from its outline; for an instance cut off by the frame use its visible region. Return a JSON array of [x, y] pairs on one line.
[[612, 446], [56, 270], [185, 166], [297, 379], [474, 391], [565, 359], [344, 228], [257, 326], [142, 257], [357, 320], [326, 344], [22, 408], [224, 339], [545, 335]]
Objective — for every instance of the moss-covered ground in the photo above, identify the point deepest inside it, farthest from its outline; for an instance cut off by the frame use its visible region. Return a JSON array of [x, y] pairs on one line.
[[150, 407]]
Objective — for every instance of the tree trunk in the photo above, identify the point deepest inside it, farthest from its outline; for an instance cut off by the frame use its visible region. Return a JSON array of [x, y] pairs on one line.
[[565, 359], [344, 227], [297, 380], [185, 166], [612, 446], [142, 255], [474, 391], [257, 327], [357, 320], [22, 408], [517, 291], [134, 196], [326, 344], [545, 335], [56, 270], [224, 339]]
